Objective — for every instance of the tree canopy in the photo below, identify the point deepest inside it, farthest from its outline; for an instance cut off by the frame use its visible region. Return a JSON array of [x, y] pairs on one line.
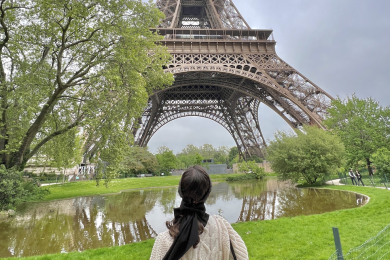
[[381, 159], [89, 65], [312, 153], [363, 126], [191, 155], [139, 161], [166, 159]]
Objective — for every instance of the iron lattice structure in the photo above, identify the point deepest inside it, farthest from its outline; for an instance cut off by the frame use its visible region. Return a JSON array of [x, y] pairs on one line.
[[223, 70]]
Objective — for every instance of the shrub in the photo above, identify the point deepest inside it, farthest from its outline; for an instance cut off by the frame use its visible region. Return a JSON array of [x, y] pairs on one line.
[[10, 187], [13, 189], [251, 170], [311, 153], [244, 177]]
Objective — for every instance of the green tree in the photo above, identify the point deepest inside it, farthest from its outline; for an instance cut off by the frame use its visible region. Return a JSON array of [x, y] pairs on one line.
[[207, 151], [312, 153], [255, 158], [166, 159], [233, 153], [234, 156], [139, 161], [381, 160], [363, 126], [63, 151], [65, 64], [198, 159], [251, 167]]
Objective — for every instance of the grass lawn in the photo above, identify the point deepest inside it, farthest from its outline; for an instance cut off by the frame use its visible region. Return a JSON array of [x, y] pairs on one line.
[[88, 188], [304, 237]]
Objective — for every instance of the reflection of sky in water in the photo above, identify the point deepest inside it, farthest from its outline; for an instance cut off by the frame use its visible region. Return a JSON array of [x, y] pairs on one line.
[[102, 221], [225, 208]]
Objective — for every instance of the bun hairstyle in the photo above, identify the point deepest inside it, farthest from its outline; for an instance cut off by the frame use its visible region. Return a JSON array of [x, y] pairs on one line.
[[194, 188]]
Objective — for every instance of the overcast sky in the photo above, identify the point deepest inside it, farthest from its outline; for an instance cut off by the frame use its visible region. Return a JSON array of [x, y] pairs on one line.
[[343, 46]]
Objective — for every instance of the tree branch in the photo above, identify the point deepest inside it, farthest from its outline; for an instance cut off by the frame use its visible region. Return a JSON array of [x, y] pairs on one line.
[[84, 40], [51, 136]]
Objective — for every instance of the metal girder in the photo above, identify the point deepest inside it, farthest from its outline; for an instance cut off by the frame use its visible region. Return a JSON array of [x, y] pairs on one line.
[[216, 14], [223, 71], [236, 112]]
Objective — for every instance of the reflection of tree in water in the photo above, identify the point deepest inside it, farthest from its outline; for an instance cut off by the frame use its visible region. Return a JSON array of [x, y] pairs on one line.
[[80, 224], [167, 199], [220, 191], [281, 200], [294, 202], [258, 207], [92, 222]]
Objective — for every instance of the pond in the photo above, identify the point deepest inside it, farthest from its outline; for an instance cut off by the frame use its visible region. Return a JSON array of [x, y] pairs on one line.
[[102, 221]]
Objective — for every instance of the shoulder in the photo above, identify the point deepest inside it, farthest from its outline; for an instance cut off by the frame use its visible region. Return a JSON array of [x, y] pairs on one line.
[[220, 220], [164, 237], [163, 240], [161, 245]]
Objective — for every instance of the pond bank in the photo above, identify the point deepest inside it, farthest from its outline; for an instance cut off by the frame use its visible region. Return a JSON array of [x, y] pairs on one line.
[[303, 237], [89, 188]]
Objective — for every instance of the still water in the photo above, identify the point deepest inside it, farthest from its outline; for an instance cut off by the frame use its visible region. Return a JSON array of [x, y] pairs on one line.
[[102, 221]]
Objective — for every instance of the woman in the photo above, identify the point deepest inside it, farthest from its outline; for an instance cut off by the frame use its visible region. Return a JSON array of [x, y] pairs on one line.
[[359, 177], [193, 234]]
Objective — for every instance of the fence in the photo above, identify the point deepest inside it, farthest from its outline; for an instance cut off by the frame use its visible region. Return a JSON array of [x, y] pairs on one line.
[[376, 248], [373, 181]]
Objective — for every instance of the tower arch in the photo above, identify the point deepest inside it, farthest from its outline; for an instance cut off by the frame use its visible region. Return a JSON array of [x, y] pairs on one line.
[[223, 70]]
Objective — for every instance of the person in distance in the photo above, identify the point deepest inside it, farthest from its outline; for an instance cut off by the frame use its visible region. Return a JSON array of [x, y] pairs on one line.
[[193, 234]]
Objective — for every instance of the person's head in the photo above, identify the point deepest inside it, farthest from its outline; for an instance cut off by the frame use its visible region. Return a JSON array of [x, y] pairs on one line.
[[350, 170], [195, 185]]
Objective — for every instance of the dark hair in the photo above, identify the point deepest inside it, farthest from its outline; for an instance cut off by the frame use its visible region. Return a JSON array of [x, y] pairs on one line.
[[194, 187]]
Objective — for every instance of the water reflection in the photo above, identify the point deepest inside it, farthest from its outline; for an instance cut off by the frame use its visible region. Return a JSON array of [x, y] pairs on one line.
[[102, 221]]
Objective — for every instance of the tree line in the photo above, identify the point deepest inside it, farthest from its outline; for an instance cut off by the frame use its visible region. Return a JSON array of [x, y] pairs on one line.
[[358, 137], [140, 161]]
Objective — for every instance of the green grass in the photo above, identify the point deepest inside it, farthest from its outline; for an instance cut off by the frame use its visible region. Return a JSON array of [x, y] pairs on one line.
[[311, 237], [135, 251], [89, 188], [304, 237]]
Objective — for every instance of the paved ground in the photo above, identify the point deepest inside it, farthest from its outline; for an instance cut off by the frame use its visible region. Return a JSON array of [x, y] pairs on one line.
[[47, 184], [334, 182], [337, 182]]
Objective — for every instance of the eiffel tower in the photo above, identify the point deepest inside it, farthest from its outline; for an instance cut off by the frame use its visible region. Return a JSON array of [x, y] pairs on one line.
[[223, 70]]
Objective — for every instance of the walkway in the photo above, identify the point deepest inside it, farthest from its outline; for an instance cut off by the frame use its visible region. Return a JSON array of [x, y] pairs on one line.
[[337, 182], [334, 182]]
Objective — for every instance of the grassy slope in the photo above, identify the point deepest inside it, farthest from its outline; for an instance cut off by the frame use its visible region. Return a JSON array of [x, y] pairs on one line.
[[88, 188], [311, 237], [305, 237]]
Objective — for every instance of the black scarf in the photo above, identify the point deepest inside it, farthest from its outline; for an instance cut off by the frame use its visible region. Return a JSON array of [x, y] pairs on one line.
[[188, 230]]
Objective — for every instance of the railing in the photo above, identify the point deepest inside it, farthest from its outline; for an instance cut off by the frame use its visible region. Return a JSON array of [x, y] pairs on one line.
[[376, 248], [215, 35], [376, 181]]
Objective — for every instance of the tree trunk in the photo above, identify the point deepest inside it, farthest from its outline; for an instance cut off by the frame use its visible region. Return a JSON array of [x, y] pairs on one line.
[[18, 159], [370, 172]]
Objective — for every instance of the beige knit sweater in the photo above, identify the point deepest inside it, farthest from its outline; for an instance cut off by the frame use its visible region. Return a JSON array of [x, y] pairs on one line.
[[214, 243]]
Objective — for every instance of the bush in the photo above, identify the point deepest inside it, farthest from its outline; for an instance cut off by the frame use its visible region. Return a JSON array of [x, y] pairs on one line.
[[244, 177], [10, 187], [252, 171], [127, 173], [252, 167], [311, 153], [13, 189]]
